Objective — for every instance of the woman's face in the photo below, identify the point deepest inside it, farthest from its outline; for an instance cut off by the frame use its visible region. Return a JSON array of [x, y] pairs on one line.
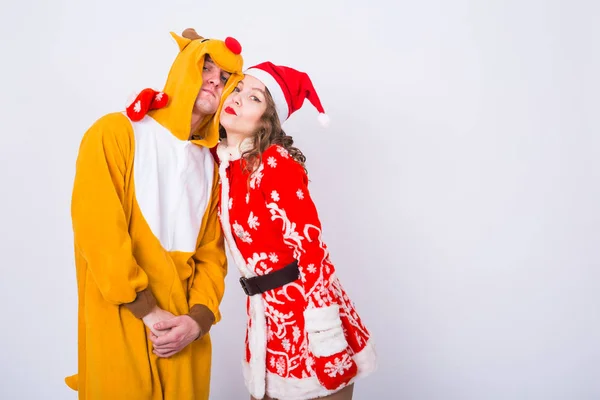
[[244, 107]]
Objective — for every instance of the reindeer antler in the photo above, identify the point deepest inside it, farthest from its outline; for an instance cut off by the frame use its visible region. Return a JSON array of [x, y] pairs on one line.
[[190, 33]]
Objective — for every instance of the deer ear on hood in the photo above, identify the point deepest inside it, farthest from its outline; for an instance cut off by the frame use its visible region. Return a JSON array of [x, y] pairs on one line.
[[182, 42]]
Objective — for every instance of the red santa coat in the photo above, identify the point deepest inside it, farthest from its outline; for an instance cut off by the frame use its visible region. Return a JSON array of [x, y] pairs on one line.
[[295, 345]]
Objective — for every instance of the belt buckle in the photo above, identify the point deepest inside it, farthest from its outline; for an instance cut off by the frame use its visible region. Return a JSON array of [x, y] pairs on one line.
[[243, 282]]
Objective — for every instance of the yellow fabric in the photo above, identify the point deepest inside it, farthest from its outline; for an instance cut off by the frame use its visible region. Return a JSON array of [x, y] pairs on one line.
[[183, 85], [117, 255]]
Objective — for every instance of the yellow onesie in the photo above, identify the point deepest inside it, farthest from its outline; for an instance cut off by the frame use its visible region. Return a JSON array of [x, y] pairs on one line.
[[144, 211]]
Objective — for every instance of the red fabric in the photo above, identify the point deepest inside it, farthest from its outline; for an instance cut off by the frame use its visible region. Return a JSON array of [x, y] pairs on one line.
[[213, 151], [274, 221], [336, 370], [148, 99], [296, 86], [233, 45]]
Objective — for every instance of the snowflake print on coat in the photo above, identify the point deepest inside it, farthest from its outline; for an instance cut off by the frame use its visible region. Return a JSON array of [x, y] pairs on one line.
[[241, 233], [283, 152], [257, 177], [273, 257], [253, 221], [316, 341], [338, 366]]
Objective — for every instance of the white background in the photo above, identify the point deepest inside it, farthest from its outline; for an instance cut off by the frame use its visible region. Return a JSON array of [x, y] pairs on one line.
[[458, 183]]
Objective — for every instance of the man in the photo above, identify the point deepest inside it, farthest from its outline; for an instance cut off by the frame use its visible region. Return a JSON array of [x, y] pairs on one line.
[[148, 246]]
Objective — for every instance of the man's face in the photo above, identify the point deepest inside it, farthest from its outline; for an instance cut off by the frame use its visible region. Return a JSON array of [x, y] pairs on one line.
[[213, 81]]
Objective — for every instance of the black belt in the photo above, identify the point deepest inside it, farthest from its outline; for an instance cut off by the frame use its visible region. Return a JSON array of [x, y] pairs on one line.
[[263, 283]]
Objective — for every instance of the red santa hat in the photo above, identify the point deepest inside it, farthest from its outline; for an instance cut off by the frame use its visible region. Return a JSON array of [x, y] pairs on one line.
[[289, 88]]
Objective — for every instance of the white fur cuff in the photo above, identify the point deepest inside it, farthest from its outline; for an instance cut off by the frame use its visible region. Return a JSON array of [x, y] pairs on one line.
[[322, 318], [327, 343]]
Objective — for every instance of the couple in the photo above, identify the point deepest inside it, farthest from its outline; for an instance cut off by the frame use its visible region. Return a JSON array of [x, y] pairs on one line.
[[151, 209]]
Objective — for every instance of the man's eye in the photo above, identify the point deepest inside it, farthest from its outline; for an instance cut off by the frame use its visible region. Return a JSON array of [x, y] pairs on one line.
[[224, 78]]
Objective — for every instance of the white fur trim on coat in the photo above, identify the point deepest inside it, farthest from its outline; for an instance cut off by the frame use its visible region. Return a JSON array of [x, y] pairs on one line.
[[322, 318], [232, 153], [327, 343], [279, 387], [257, 334]]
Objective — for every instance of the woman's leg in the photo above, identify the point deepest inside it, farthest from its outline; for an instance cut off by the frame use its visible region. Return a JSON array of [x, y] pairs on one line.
[[344, 394]]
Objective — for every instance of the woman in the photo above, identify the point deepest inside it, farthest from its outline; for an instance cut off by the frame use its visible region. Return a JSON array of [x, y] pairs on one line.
[[304, 338]]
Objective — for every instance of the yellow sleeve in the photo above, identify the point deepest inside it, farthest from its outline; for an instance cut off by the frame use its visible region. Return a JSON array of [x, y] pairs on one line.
[[210, 261], [100, 225]]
